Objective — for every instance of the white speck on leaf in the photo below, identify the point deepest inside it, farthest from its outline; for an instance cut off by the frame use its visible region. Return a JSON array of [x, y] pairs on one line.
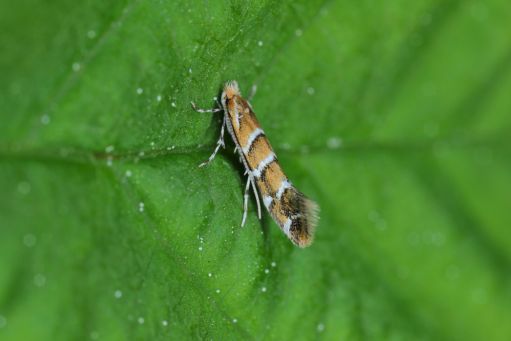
[[39, 280], [45, 119], [285, 146], [24, 188], [91, 34], [29, 240], [118, 294], [334, 142], [140, 91], [76, 66]]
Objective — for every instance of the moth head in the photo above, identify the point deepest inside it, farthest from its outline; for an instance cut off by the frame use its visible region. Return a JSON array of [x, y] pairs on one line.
[[231, 89]]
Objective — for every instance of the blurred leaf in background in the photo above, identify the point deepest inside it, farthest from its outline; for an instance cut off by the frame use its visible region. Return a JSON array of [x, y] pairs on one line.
[[395, 116]]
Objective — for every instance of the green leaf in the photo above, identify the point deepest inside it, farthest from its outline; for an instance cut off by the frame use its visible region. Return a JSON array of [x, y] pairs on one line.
[[394, 116]]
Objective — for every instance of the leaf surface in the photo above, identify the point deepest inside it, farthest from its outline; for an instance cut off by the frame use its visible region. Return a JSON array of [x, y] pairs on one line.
[[393, 116]]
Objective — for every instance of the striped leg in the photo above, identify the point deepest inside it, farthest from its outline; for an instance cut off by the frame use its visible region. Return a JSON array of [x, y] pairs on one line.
[[219, 143], [252, 180], [205, 110], [245, 201]]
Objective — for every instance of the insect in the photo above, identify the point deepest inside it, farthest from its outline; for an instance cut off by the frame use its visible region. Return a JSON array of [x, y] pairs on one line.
[[292, 211]]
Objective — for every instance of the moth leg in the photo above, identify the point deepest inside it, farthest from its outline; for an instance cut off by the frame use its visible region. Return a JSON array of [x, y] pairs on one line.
[[251, 178], [205, 110], [219, 143], [245, 201], [253, 91]]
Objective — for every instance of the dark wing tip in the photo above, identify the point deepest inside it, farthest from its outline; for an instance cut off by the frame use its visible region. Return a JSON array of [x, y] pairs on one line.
[[308, 223]]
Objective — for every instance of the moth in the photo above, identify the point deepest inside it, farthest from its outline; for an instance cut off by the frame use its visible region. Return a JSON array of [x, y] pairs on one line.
[[295, 214]]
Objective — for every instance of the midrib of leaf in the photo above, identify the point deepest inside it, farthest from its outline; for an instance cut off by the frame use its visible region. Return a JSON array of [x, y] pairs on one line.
[[70, 154]]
